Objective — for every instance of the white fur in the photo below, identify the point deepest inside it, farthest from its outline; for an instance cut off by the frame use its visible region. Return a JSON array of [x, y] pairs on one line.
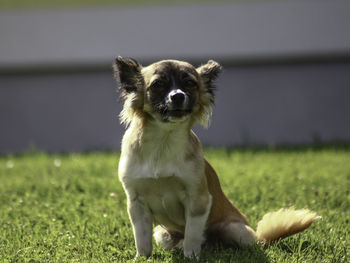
[[160, 184], [163, 238], [194, 232], [141, 219]]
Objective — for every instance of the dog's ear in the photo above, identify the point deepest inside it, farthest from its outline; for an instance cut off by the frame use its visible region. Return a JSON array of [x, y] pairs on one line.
[[208, 73], [127, 71]]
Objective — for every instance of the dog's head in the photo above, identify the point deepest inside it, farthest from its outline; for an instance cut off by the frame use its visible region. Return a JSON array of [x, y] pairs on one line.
[[166, 91]]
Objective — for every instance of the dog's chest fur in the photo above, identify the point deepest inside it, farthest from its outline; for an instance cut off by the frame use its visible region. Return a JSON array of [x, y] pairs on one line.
[[157, 173]]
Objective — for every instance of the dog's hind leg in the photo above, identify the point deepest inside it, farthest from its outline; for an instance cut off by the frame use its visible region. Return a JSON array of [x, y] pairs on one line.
[[166, 239], [235, 233]]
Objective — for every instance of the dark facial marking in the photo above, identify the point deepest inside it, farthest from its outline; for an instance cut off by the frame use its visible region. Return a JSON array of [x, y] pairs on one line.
[[172, 77]]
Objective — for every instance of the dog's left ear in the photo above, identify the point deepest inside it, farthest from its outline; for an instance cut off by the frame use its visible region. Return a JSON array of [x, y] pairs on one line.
[[208, 73]]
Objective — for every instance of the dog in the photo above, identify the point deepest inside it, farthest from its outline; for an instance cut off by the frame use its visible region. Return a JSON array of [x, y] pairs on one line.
[[166, 178]]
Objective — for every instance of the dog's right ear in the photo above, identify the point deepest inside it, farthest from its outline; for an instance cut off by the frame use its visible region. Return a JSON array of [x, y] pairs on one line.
[[127, 71]]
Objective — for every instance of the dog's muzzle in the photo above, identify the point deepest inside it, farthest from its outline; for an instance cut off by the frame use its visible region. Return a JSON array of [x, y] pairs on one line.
[[177, 99], [177, 103]]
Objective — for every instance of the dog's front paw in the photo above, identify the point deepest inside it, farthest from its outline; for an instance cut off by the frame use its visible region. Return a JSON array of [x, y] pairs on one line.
[[192, 251], [192, 254], [141, 256], [144, 250]]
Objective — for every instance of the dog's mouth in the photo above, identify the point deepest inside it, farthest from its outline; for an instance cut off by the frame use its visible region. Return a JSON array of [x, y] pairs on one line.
[[169, 112], [178, 113]]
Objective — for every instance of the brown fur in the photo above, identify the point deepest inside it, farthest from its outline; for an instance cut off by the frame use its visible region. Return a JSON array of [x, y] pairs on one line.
[[222, 209]]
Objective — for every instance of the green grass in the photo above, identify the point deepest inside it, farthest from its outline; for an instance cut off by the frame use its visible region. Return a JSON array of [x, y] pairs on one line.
[[71, 208]]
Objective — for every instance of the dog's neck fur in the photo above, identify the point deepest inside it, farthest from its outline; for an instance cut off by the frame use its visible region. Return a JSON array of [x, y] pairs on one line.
[[150, 137]]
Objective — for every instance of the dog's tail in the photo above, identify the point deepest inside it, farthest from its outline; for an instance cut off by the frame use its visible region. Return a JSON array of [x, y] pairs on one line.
[[285, 222]]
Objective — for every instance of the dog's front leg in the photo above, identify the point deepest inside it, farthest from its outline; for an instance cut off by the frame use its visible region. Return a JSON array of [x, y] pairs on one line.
[[141, 219], [197, 212]]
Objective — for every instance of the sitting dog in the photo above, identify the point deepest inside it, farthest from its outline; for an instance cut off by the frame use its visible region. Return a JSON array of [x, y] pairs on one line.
[[166, 178]]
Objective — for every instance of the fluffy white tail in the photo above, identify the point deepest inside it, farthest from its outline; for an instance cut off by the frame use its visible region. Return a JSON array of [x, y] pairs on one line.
[[283, 223]]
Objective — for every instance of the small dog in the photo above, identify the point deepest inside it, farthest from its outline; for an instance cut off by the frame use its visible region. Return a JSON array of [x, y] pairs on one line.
[[166, 178]]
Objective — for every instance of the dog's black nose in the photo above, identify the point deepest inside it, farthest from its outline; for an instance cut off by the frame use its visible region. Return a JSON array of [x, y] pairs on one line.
[[177, 98]]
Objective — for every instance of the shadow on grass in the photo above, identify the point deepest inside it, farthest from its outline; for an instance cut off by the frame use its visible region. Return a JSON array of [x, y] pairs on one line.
[[221, 254]]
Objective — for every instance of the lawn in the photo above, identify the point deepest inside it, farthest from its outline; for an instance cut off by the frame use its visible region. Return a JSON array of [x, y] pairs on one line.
[[71, 208]]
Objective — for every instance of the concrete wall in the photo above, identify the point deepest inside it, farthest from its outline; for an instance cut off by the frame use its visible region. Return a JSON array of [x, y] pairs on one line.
[[255, 104], [282, 104], [226, 31], [59, 112], [286, 78]]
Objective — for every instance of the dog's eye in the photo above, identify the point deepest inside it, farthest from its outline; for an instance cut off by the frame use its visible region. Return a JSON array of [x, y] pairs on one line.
[[189, 83], [157, 84]]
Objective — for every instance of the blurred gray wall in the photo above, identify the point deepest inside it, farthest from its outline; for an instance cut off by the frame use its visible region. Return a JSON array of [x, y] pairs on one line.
[[286, 77]]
